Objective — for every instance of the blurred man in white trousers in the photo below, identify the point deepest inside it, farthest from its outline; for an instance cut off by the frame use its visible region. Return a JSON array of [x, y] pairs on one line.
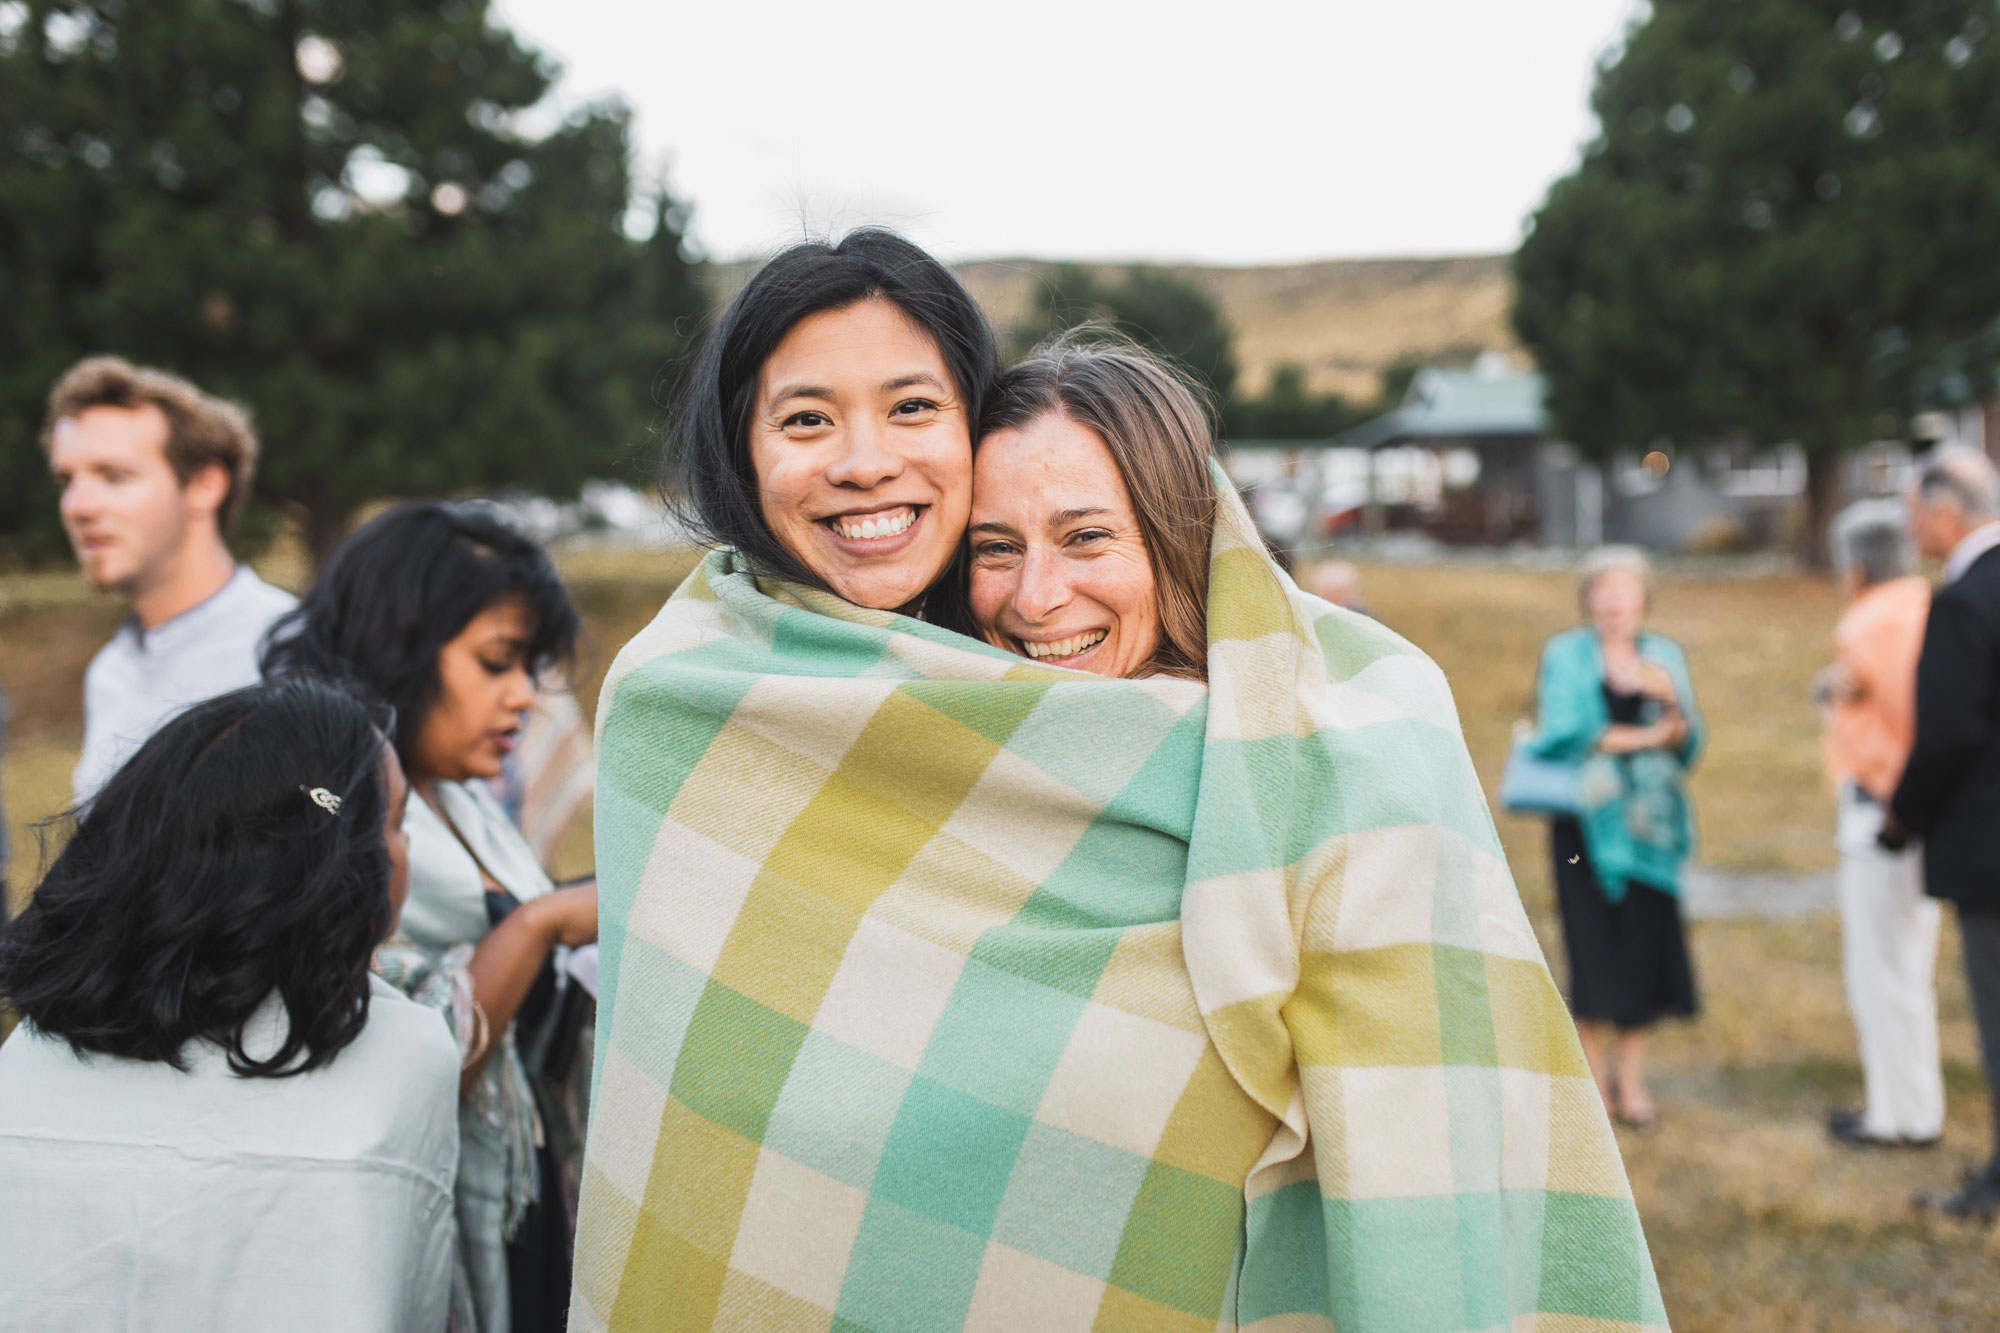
[[1889, 929]]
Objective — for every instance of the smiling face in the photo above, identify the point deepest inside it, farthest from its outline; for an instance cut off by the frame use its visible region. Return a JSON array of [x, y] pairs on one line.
[[863, 453], [127, 514], [1060, 571], [484, 687]]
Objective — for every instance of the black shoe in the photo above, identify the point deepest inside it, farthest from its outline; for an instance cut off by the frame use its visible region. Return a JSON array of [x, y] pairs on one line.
[[1976, 1200], [1845, 1126]]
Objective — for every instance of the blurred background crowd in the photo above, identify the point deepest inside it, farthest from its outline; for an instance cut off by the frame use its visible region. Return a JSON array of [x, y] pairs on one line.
[[1744, 318]]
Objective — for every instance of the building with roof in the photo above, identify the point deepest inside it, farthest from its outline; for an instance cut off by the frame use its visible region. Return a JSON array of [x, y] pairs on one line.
[[1505, 478], [1487, 430], [1467, 458]]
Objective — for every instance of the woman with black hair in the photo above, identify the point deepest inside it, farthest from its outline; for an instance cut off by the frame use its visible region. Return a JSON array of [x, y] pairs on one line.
[[212, 1113], [823, 432], [451, 615]]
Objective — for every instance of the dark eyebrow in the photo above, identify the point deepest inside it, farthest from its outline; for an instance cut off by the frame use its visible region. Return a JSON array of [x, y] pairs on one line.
[[908, 381], [993, 527], [799, 391]]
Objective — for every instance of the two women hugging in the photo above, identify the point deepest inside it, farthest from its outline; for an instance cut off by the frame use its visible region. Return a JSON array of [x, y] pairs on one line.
[[1023, 907]]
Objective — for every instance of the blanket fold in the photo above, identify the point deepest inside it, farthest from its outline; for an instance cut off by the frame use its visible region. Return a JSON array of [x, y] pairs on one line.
[[942, 989]]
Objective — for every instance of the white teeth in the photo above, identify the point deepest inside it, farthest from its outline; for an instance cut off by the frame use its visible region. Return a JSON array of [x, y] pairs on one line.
[[1069, 647], [870, 528]]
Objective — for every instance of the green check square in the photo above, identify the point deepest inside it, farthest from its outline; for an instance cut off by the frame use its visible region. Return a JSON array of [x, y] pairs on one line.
[[1401, 1262], [908, 1273], [1284, 1268], [949, 1156], [1594, 1260], [1068, 1200], [836, 1110], [1000, 1037], [733, 1064]]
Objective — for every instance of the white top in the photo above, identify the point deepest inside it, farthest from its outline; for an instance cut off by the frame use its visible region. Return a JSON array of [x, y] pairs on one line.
[[138, 1198], [447, 902], [1970, 547], [143, 677], [446, 908]]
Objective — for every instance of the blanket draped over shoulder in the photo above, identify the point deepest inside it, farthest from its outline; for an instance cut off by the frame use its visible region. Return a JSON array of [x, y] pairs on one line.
[[943, 989]]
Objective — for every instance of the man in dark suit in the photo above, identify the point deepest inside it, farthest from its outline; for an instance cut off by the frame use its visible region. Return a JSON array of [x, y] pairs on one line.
[[1949, 794]]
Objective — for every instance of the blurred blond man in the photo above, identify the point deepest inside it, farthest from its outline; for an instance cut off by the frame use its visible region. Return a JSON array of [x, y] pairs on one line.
[[153, 472], [1889, 929]]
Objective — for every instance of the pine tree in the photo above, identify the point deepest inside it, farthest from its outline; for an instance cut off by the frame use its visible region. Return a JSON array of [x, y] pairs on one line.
[[359, 217], [1783, 232]]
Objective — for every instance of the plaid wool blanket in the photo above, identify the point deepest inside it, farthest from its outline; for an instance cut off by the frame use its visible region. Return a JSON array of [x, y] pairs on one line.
[[943, 990]]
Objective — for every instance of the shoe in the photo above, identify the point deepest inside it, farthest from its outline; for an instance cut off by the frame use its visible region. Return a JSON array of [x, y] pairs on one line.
[[1847, 1126], [1976, 1200]]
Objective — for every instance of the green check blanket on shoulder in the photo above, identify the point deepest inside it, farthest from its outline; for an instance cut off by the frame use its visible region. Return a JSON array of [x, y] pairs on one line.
[[942, 989]]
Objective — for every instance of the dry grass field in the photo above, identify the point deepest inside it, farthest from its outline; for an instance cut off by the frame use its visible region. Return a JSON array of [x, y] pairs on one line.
[[1756, 1221]]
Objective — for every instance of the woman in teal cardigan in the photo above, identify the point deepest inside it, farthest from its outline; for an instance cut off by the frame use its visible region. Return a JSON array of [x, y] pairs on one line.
[[1615, 700]]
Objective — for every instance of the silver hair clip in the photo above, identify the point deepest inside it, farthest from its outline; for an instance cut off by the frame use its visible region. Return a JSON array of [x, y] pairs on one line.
[[324, 799]]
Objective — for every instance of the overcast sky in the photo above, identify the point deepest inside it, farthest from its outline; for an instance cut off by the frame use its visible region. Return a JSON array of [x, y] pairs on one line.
[[1233, 131]]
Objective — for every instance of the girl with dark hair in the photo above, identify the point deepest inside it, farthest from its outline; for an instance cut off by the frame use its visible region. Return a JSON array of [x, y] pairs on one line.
[[212, 1113], [451, 615], [823, 432]]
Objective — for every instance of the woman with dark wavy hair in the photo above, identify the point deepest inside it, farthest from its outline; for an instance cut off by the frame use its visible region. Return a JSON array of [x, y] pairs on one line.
[[212, 1112], [452, 616]]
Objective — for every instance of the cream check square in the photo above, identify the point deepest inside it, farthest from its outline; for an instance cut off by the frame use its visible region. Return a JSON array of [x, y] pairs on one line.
[[1350, 703], [1238, 710], [1018, 1291], [912, 656], [773, 706], [1022, 817], [888, 993], [1243, 917], [690, 894], [797, 1229], [1524, 1146], [1387, 879], [1504, 931], [1119, 1078], [623, 1152], [1397, 1139], [991, 896]]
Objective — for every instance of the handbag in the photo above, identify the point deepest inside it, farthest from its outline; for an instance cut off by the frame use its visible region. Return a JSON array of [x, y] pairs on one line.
[[1533, 785]]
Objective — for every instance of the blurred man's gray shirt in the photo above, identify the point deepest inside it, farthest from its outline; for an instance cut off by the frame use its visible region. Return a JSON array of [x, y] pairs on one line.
[[143, 677]]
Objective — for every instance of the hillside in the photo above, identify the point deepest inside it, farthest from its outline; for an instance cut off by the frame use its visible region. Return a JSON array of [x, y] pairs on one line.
[[1344, 320]]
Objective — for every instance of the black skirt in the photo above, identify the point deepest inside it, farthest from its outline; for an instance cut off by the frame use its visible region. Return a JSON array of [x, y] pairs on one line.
[[1628, 961]]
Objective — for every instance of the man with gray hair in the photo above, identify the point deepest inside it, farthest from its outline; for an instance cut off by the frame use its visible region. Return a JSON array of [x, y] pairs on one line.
[[1949, 794], [1888, 928]]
